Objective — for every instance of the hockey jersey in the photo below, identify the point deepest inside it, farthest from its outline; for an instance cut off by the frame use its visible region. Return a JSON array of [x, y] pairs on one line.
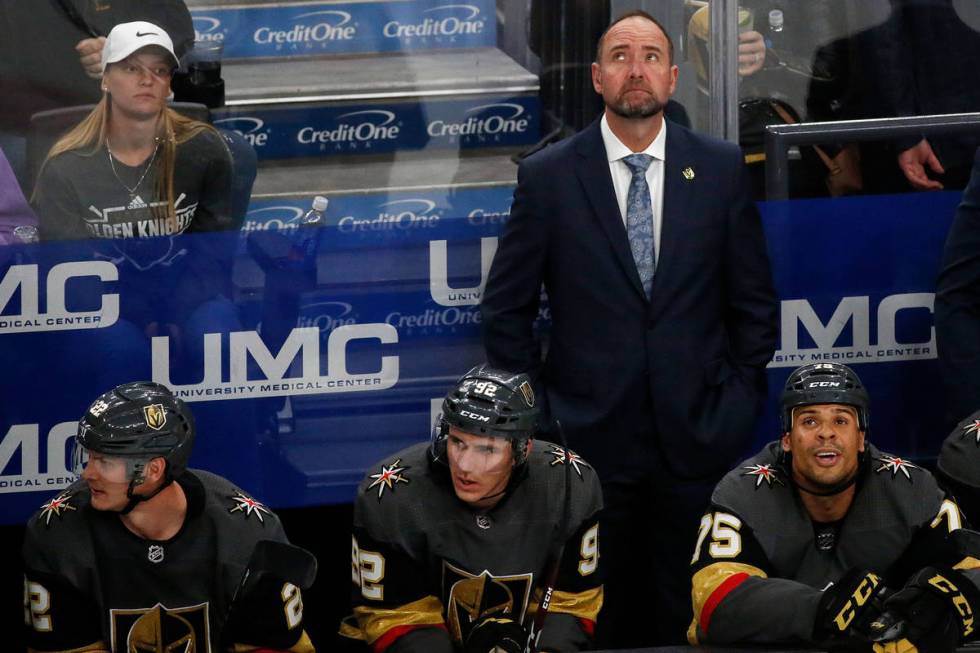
[[761, 563], [91, 584], [426, 567]]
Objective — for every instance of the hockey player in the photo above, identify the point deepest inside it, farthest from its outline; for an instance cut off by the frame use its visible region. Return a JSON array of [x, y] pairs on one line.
[[453, 540], [958, 467], [801, 541], [143, 554]]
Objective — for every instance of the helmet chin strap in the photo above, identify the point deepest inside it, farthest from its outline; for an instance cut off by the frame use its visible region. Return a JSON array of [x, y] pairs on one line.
[[832, 490], [136, 499]]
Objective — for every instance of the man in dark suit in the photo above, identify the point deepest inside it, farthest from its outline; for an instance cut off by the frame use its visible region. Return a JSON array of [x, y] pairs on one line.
[[663, 319], [958, 306]]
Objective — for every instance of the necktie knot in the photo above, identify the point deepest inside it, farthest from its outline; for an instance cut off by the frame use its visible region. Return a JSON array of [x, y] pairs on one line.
[[638, 162]]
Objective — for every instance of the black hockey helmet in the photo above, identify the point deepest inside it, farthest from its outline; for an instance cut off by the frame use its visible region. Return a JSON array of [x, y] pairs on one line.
[[138, 422], [823, 383], [490, 402]]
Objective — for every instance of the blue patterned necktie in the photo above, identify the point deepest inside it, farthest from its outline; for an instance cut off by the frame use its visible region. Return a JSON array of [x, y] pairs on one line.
[[639, 218]]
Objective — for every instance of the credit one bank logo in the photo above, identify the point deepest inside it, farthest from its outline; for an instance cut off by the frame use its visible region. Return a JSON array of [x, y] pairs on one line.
[[208, 28], [273, 218], [21, 449], [449, 20], [253, 130], [485, 120], [255, 371], [852, 317], [309, 29], [353, 131], [56, 317], [409, 213]]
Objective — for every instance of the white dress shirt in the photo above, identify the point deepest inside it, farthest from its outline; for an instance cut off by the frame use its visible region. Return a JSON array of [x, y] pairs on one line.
[[621, 175]]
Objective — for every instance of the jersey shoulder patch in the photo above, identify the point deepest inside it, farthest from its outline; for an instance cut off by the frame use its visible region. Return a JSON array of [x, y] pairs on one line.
[[559, 457], [239, 502], [895, 466], [767, 473], [388, 477], [58, 507]]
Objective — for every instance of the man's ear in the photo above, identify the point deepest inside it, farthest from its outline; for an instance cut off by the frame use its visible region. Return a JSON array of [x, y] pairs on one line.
[[784, 441], [155, 469]]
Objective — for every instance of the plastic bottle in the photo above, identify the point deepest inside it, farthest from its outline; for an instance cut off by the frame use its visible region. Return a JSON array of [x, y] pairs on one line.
[[308, 233]]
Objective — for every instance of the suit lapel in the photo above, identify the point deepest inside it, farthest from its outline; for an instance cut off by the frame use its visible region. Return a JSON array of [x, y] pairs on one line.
[[677, 198], [592, 168]]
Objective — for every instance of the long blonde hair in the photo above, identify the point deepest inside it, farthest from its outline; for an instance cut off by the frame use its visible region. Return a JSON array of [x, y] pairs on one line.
[[91, 135]]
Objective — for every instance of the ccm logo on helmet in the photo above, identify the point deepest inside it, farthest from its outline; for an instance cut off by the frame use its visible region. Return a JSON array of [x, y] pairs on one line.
[[823, 384], [477, 417]]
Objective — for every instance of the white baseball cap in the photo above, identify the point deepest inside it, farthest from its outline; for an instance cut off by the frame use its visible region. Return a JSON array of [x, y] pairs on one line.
[[127, 38]]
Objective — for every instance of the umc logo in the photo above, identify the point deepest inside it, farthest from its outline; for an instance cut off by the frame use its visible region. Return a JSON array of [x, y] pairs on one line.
[[254, 371], [26, 439], [439, 287], [57, 317], [207, 28], [253, 130], [913, 311]]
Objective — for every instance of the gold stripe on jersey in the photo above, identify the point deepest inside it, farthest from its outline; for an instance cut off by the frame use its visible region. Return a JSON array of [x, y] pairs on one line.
[[707, 580], [584, 605], [94, 647], [375, 622], [302, 645], [350, 629], [967, 563]]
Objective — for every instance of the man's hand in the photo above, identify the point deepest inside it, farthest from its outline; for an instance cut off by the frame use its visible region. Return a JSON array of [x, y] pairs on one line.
[[848, 606], [937, 606], [90, 55], [751, 53], [913, 161]]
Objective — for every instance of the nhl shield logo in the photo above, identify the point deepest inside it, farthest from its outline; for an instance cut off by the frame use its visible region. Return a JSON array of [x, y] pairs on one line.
[[154, 416], [155, 553]]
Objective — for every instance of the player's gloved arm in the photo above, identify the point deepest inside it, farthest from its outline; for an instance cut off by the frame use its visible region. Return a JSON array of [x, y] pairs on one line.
[[58, 618], [734, 599], [849, 607], [392, 603], [577, 597], [937, 612]]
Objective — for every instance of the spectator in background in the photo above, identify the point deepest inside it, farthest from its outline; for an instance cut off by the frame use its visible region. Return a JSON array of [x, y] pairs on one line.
[[132, 177], [50, 56], [926, 47], [18, 224], [777, 68], [958, 306]]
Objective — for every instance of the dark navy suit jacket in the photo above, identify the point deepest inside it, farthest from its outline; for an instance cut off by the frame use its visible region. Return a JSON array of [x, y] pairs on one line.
[[693, 357]]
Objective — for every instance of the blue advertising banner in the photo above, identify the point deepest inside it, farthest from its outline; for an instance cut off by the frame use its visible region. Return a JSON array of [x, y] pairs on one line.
[[309, 354], [484, 121], [318, 28]]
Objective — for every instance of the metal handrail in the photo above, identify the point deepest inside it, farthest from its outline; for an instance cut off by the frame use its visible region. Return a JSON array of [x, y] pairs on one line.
[[779, 138]]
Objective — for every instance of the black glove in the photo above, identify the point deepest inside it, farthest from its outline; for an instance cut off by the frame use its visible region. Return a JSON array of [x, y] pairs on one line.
[[500, 633], [937, 607], [848, 607]]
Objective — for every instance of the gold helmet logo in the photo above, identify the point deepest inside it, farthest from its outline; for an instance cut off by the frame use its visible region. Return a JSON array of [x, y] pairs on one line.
[[160, 631], [155, 416], [528, 393]]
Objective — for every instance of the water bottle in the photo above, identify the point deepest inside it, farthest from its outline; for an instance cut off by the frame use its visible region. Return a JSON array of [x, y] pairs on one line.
[[308, 233], [775, 37]]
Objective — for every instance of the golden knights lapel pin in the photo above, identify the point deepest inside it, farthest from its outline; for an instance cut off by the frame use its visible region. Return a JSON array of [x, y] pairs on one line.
[[688, 173]]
